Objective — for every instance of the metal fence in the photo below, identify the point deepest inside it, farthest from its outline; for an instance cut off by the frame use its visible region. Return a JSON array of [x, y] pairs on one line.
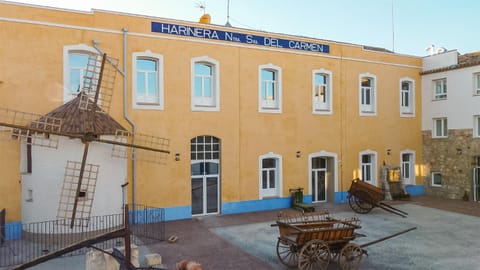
[[33, 240]]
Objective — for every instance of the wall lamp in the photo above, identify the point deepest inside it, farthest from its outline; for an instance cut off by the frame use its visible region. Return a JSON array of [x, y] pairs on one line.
[[298, 154], [177, 157]]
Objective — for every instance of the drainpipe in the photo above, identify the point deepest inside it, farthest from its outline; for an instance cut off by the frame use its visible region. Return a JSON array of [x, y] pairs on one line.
[[125, 115], [125, 106]]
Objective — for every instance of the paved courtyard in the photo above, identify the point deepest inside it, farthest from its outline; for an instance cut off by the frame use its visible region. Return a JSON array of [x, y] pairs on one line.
[[446, 238], [443, 240]]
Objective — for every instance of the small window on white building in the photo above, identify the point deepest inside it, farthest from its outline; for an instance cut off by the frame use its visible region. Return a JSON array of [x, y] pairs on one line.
[[367, 94], [476, 83], [270, 89], [322, 92], [440, 89], [368, 166], [205, 84], [440, 128], [408, 167], [436, 179], [476, 126], [29, 195], [407, 97], [270, 175], [147, 81], [75, 59]]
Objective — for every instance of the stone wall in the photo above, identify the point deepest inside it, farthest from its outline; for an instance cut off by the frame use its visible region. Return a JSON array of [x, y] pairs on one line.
[[454, 157]]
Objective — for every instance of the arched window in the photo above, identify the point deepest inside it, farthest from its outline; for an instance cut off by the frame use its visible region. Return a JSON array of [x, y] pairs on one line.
[[407, 97], [269, 89], [147, 81], [205, 95], [75, 59], [322, 92], [367, 94]]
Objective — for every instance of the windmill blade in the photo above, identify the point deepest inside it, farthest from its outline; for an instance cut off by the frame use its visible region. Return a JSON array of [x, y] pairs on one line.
[[148, 148], [78, 190], [98, 83], [35, 128]]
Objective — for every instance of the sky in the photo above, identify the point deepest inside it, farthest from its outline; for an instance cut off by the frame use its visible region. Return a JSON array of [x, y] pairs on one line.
[[409, 29]]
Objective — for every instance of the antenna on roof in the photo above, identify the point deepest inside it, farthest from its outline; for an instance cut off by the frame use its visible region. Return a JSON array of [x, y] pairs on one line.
[[201, 5], [228, 14], [393, 31]]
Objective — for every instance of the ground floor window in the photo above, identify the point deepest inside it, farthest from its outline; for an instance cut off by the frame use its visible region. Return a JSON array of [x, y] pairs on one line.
[[270, 175], [368, 166], [436, 179]]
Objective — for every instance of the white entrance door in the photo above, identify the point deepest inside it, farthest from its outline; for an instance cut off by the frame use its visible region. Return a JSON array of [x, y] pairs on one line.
[[319, 181], [205, 175], [205, 188]]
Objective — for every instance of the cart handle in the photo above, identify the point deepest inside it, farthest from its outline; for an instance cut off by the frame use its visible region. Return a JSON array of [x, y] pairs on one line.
[[387, 237]]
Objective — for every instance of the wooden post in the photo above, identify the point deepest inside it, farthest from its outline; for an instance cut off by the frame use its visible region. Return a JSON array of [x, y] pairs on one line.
[[2, 226], [128, 251]]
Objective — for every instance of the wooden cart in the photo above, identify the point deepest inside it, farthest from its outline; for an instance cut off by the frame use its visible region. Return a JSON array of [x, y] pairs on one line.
[[312, 240], [363, 197]]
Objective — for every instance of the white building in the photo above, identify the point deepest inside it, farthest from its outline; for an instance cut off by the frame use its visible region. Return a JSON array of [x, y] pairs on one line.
[[451, 124]]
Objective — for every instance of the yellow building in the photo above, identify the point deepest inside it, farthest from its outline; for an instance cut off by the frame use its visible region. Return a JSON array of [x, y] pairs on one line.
[[249, 114]]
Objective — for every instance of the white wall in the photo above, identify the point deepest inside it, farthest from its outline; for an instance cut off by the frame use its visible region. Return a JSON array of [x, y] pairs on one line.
[[461, 104], [440, 60], [48, 168]]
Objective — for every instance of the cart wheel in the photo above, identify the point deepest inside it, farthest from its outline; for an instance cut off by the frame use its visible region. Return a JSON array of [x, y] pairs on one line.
[[287, 253], [363, 205], [315, 254], [350, 256]]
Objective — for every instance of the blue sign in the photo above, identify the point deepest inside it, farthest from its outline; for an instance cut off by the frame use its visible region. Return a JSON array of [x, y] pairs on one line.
[[198, 32]]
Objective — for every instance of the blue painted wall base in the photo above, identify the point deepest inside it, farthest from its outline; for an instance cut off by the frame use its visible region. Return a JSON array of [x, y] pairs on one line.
[[13, 230]]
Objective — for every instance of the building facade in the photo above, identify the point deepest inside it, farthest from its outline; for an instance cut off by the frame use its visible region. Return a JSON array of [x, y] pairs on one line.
[[249, 114], [451, 121]]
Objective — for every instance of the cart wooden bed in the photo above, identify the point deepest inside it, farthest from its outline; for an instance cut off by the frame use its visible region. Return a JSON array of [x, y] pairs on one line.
[[313, 240]]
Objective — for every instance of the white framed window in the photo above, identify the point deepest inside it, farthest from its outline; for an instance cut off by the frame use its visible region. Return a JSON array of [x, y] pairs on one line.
[[147, 81], [205, 94], [440, 89], [322, 91], [436, 179], [269, 89], [407, 97], [476, 126], [75, 59], [270, 175], [368, 166], [476, 84], [407, 159], [440, 128], [367, 94]]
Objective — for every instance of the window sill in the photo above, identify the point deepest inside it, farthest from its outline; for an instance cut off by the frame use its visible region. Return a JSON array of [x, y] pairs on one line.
[[269, 197], [147, 106], [205, 108], [269, 110], [326, 111]]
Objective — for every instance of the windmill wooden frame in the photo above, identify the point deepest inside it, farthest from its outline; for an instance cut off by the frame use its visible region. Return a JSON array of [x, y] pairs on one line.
[[80, 177]]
